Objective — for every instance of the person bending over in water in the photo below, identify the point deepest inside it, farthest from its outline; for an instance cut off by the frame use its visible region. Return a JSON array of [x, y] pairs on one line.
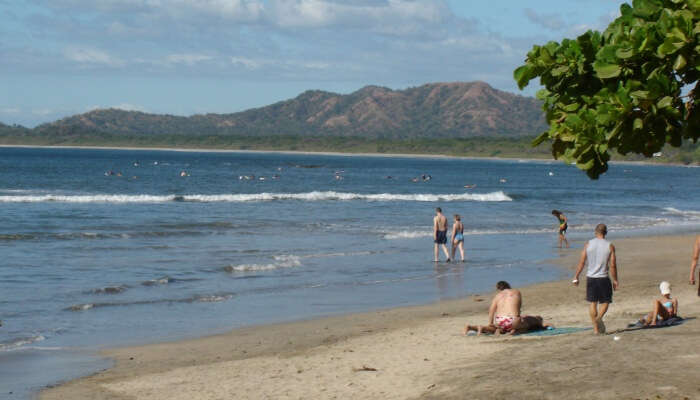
[[563, 225], [694, 262], [504, 312], [440, 234], [663, 308], [458, 237]]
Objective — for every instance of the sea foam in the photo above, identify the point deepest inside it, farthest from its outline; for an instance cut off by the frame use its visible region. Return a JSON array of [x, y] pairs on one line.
[[256, 197]]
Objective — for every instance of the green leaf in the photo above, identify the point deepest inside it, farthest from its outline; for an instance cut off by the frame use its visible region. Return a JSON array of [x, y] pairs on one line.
[[541, 138], [606, 71], [665, 102], [560, 70], [522, 75], [669, 46], [624, 53], [571, 107], [638, 124], [680, 63], [587, 165], [640, 94]]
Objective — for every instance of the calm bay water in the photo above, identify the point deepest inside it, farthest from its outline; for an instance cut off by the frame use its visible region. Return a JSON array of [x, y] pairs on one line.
[[111, 247]]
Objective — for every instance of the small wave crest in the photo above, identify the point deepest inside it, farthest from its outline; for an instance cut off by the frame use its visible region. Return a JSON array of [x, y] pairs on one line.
[[685, 213], [158, 281], [209, 298], [253, 197], [425, 234], [19, 342], [407, 235], [284, 261], [110, 289]]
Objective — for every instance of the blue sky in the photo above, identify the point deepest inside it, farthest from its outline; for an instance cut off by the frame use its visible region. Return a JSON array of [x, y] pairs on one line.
[[63, 57]]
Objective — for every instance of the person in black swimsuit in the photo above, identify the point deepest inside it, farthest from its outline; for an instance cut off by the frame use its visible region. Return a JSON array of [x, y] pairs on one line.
[[563, 225]]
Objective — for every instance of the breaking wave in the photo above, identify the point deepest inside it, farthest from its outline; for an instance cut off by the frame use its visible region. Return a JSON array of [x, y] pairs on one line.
[[280, 262], [427, 233], [684, 213], [253, 197]]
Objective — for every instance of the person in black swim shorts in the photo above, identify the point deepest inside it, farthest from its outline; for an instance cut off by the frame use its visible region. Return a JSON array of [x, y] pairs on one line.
[[440, 234]]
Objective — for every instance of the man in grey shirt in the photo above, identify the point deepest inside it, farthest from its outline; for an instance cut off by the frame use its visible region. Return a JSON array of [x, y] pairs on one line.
[[598, 256]]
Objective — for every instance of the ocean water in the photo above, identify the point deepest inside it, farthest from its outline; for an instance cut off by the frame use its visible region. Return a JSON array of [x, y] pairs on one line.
[[113, 247]]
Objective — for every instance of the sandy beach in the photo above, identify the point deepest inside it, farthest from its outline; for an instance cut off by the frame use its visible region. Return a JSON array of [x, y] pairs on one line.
[[419, 352]]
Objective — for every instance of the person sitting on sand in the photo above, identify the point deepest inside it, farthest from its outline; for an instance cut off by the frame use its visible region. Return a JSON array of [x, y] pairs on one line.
[[504, 312], [663, 308]]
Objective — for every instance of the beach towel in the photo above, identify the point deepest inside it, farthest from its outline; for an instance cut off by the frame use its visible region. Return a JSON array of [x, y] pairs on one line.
[[555, 331], [544, 332], [660, 324]]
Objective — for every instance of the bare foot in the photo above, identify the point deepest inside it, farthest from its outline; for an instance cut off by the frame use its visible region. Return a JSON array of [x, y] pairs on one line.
[[478, 330]]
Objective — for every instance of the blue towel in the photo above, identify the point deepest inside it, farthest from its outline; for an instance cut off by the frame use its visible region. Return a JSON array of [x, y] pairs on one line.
[[555, 331], [661, 324]]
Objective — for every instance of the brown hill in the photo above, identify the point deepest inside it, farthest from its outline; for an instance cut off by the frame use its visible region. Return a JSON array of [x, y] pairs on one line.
[[455, 110]]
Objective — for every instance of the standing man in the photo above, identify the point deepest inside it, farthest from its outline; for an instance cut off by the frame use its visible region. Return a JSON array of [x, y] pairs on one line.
[[440, 234], [694, 262], [599, 257]]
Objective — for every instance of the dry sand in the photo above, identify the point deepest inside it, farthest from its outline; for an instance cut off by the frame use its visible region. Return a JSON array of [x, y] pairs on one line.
[[419, 352]]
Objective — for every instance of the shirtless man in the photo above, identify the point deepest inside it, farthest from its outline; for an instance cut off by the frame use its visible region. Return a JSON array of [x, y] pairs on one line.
[[694, 262], [504, 312], [440, 234]]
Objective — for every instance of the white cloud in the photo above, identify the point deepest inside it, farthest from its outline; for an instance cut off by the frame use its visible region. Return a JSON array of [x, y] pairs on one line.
[[122, 106], [10, 110], [129, 107], [187, 59], [92, 56], [247, 63], [380, 15], [43, 111]]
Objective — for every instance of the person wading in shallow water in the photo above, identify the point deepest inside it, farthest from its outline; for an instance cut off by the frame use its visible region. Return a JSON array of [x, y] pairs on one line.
[[598, 256], [457, 237], [440, 234], [563, 226]]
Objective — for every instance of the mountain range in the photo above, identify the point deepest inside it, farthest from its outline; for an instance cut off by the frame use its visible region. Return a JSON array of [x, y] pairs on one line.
[[436, 110]]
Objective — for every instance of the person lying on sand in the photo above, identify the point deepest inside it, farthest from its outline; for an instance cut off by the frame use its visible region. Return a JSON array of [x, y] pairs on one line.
[[528, 323], [662, 308]]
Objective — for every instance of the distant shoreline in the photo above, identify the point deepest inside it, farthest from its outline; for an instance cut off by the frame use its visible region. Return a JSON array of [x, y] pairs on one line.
[[332, 153]]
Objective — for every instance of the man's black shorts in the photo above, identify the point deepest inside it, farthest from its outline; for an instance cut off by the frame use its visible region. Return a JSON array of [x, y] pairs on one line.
[[599, 290], [441, 237]]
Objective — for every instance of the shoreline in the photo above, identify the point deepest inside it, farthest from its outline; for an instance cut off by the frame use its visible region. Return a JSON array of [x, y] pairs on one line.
[[412, 348], [339, 154]]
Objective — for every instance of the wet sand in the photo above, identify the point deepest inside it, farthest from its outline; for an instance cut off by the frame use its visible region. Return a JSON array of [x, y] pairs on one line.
[[419, 352]]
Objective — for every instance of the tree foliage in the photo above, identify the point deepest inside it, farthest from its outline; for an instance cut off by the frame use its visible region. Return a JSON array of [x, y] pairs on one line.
[[622, 89]]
